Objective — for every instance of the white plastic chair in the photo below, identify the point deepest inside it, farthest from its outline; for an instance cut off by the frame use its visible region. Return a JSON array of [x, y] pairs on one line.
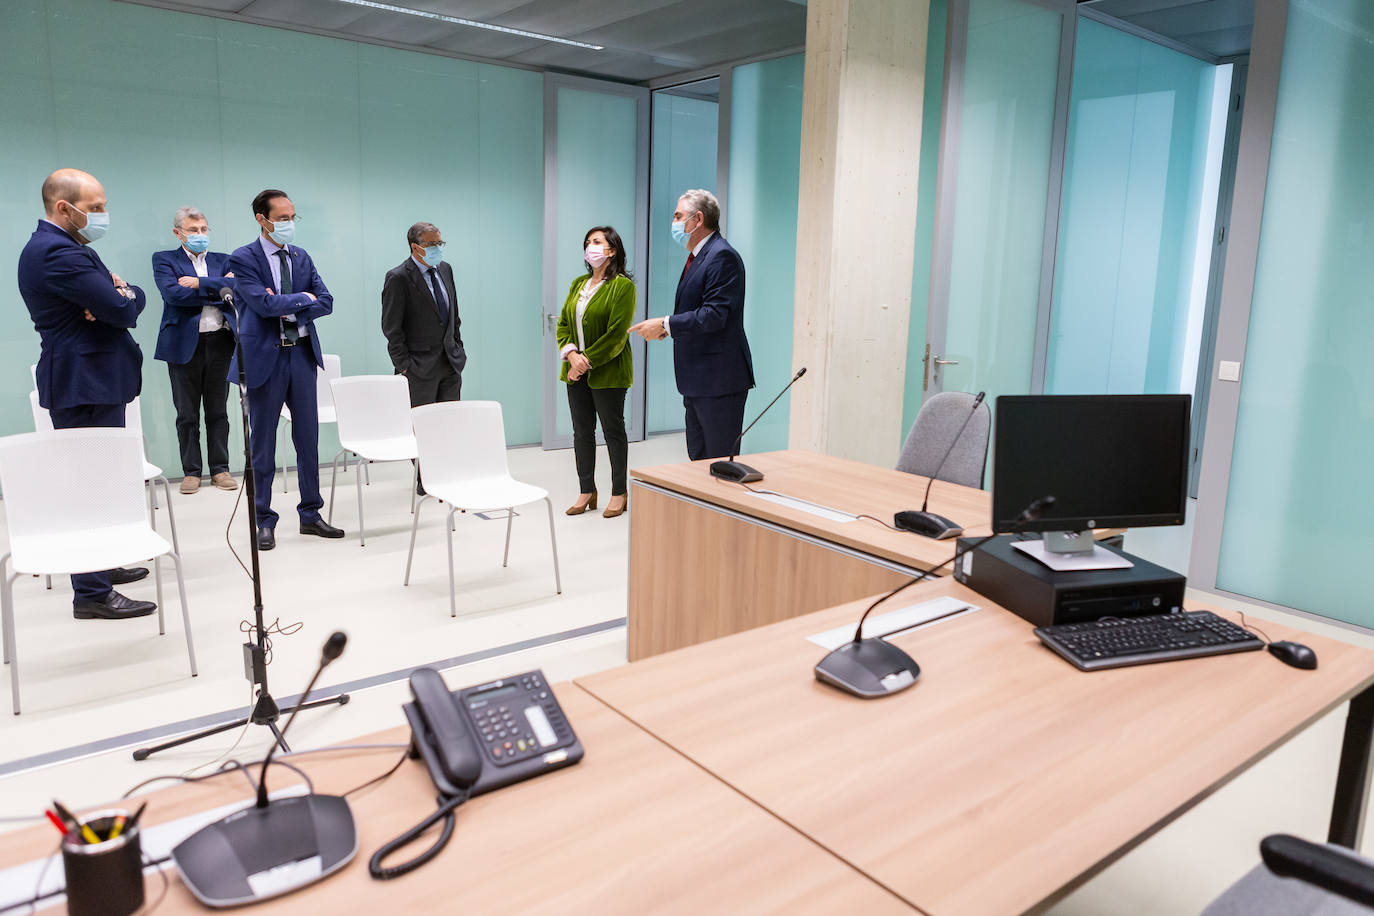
[[463, 451], [373, 413], [72, 505], [324, 399], [152, 474]]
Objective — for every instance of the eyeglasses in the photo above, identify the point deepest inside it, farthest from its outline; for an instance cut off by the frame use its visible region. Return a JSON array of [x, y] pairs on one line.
[[287, 219]]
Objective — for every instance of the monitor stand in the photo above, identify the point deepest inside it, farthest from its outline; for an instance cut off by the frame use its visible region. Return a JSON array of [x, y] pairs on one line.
[[1067, 551]]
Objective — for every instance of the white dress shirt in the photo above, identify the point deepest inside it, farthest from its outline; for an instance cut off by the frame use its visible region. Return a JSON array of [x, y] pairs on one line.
[[696, 250], [211, 318], [270, 249]]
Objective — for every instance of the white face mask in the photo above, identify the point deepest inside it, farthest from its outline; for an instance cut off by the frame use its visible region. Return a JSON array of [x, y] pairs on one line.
[[596, 255]]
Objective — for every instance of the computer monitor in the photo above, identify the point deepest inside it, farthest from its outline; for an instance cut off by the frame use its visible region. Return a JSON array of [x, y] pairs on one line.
[[1110, 461]]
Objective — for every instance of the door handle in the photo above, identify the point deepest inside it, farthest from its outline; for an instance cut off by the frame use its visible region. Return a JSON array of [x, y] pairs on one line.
[[945, 362], [551, 323]]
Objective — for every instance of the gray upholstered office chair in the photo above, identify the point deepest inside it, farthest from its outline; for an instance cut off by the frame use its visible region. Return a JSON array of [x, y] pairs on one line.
[[1298, 878], [934, 429]]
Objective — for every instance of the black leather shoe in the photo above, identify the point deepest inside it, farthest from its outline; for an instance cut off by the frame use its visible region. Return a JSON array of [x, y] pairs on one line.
[[322, 529], [114, 607], [124, 576], [267, 539]]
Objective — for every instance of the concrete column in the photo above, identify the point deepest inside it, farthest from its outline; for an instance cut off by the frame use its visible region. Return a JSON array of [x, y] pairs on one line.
[[856, 225]]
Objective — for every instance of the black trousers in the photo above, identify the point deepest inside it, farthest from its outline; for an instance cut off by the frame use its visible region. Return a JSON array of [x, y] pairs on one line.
[[586, 404], [713, 424], [447, 387], [204, 380]]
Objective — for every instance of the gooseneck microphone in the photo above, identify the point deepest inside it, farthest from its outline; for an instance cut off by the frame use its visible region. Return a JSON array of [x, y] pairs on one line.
[[737, 471], [271, 848], [226, 294], [333, 648], [874, 667], [929, 524]]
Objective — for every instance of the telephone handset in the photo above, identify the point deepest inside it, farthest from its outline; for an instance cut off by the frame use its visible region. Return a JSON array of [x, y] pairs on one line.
[[476, 740]]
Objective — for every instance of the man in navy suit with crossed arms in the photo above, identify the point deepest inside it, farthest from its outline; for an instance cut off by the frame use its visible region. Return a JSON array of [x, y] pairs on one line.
[[711, 356], [90, 366], [280, 295]]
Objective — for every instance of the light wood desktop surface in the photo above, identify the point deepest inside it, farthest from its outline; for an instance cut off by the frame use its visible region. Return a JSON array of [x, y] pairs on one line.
[[1002, 779], [633, 828], [710, 558]]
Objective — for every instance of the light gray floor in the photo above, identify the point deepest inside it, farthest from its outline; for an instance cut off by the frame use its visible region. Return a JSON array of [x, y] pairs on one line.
[[90, 680]]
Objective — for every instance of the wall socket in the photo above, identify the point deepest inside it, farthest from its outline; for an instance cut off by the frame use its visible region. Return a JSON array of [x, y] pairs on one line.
[[1228, 371]]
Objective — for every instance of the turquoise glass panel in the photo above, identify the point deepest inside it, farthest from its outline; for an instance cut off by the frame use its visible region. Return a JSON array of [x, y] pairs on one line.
[[211, 111], [1007, 118], [1296, 529], [683, 157], [765, 172], [1139, 206], [597, 143], [925, 211]]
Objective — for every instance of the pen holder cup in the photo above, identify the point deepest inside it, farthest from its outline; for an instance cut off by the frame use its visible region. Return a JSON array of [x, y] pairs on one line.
[[106, 878]]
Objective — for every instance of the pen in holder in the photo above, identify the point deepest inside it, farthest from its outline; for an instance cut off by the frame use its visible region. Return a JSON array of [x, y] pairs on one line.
[[104, 878]]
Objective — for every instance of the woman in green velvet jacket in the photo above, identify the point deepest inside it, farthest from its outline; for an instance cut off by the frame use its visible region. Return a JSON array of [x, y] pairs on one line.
[[597, 364]]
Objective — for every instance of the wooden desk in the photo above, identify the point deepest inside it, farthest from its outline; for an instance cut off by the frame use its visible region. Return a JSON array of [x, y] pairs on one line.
[[1004, 777], [710, 558], [633, 828]]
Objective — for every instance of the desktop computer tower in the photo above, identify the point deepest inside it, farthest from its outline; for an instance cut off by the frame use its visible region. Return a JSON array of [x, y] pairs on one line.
[[1045, 596]]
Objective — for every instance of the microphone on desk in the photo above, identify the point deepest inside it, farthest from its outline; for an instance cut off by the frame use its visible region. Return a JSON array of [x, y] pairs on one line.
[[929, 524], [274, 846], [874, 667], [738, 471], [226, 295]]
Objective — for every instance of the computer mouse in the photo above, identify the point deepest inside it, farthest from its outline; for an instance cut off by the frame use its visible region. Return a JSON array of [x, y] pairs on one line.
[[926, 524], [1293, 653]]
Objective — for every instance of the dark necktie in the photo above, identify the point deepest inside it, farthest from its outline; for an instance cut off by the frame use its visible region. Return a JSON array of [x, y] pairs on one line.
[[685, 266], [439, 299], [290, 331]]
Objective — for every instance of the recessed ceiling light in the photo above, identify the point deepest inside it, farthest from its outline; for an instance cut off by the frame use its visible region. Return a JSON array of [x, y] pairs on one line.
[[440, 17]]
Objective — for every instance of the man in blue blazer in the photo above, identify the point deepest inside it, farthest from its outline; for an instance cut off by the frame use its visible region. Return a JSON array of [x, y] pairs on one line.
[[89, 368], [280, 295], [196, 341], [711, 356]]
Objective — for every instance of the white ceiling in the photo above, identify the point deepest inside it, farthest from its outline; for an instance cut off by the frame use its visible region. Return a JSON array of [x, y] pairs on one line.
[[643, 39]]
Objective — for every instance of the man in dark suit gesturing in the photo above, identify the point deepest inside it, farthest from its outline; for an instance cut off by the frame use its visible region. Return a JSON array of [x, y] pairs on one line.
[[710, 352], [280, 296], [196, 341], [90, 367], [420, 320]]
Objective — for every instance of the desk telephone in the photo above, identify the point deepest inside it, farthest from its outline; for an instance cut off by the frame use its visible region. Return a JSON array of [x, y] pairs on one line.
[[476, 740]]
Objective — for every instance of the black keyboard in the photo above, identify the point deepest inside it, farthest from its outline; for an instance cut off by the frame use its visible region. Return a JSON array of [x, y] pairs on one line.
[[1115, 642]]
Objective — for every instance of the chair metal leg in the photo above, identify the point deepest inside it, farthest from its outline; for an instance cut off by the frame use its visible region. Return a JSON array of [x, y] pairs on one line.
[[367, 473], [510, 517], [157, 577], [171, 518], [7, 612], [152, 516], [152, 493], [414, 526], [553, 541], [48, 580], [333, 477], [362, 537], [452, 598], [185, 613], [4, 617], [414, 485]]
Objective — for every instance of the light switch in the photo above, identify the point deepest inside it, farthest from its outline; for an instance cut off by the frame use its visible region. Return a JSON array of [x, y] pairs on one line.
[[1228, 371]]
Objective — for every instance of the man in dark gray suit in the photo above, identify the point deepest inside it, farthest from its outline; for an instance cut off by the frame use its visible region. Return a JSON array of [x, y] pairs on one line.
[[420, 320]]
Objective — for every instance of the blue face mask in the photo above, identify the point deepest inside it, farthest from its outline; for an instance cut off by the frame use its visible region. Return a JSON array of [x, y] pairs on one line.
[[434, 255], [97, 224], [680, 233], [198, 242], [284, 232]]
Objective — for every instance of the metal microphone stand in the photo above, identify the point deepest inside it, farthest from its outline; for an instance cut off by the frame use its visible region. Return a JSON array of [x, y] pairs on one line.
[[265, 711]]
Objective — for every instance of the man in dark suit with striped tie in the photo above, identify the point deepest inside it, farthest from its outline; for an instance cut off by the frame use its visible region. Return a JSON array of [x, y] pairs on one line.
[[711, 356], [280, 296]]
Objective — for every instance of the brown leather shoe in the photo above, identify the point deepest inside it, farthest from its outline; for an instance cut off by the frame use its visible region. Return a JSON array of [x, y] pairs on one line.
[[621, 510], [224, 480], [189, 484], [588, 505]]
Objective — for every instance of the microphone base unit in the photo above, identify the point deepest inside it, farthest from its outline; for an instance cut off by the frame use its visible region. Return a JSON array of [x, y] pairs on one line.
[[868, 668], [927, 524], [735, 472], [259, 853]]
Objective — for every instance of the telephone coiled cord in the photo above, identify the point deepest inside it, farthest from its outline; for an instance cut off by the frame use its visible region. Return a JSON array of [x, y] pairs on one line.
[[444, 812]]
